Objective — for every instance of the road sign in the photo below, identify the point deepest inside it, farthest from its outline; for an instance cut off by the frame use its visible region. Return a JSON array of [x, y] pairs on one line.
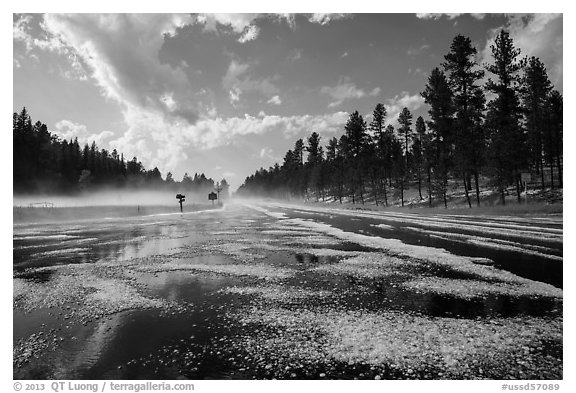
[[212, 196], [181, 199]]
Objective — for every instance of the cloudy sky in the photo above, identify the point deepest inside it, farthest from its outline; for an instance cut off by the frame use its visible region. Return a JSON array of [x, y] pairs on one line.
[[226, 94]]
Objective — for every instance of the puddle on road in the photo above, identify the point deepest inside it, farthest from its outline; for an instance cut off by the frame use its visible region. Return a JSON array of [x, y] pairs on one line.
[[523, 265], [153, 344], [201, 340]]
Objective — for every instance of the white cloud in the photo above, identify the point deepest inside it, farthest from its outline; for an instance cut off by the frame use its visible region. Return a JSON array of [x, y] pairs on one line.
[[416, 71], [165, 117], [537, 35], [155, 99], [237, 22], [417, 50], [67, 129], [396, 104], [345, 90], [237, 82], [275, 100], [127, 70], [296, 56], [266, 152], [168, 100], [447, 15], [159, 140], [234, 95], [324, 19], [21, 32], [245, 26], [250, 34], [374, 92]]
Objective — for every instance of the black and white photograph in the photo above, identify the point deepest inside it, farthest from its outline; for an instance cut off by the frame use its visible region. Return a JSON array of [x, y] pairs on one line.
[[304, 196]]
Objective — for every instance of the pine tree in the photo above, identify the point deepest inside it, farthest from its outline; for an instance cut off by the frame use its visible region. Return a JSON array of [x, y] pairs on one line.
[[334, 164], [314, 163], [535, 90], [463, 76], [418, 152], [378, 148], [438, 95], [507, 148], [357, 140], [300, 179], [405, 131], [553, 147], [378, 119]]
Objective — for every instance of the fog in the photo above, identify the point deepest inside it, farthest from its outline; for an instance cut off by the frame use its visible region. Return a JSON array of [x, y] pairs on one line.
[[111, 197]]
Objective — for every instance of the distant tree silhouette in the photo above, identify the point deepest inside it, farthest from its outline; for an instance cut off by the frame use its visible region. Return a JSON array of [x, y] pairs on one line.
[[45, 163]]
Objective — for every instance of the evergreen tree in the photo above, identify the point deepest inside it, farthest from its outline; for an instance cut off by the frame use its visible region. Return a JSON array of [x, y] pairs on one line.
[[378, 151], [535, 90], [334, 168], [418, 152], [463, 76], [356, 142], [315, 153], [438, 95], [378, 118], [314, 164], [405, 131], [507, 149], [553, 146]]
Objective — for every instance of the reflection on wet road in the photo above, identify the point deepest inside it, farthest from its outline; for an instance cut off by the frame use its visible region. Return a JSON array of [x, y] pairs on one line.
[[274, 291]]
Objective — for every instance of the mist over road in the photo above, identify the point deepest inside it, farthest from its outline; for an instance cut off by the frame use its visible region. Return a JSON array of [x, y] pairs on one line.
[[295, 292]]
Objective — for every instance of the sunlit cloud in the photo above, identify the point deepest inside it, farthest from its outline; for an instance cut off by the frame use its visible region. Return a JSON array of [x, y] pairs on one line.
[[395, 105], [346, 90], [69, 130], [275, 100], [449, 16], [537, 35]]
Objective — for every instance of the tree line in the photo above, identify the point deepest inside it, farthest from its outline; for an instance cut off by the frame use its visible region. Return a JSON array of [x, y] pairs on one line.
[[45, 163], [476, 132]]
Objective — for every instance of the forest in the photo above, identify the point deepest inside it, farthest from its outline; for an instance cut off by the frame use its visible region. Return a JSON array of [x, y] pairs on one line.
[[487, 124], [43, 163]]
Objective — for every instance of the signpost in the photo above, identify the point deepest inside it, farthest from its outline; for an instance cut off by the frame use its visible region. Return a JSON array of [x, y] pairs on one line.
[[212, 197], [181, 199]]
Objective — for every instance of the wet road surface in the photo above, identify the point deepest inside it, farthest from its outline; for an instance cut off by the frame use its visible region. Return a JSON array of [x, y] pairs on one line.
[[275, 291]]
